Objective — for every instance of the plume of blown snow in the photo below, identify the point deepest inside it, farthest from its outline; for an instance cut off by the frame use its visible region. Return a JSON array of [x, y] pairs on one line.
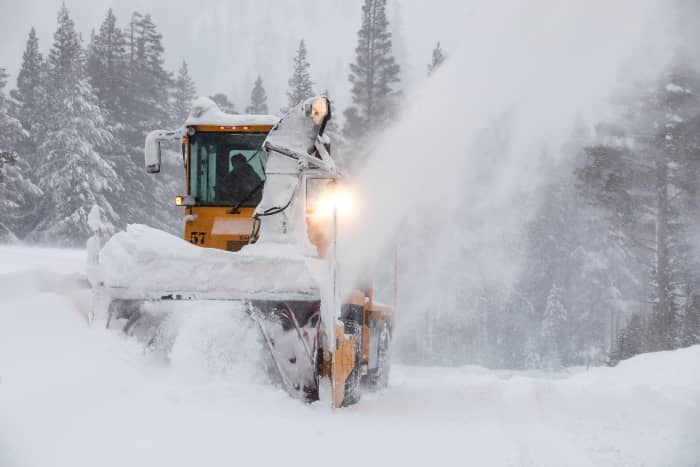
[[466, 154]]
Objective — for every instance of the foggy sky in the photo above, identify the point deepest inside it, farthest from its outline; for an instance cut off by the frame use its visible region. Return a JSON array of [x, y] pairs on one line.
[[228, 42]]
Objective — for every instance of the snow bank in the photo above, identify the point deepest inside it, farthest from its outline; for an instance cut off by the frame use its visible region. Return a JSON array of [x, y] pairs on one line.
[[24, 271], [25, 258], [656, 371]]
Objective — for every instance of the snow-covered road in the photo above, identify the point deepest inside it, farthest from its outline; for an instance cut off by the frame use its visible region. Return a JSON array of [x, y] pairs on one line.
[[75, 395]]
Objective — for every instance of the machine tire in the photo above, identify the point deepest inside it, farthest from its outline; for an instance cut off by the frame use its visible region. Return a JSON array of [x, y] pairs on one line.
[[379, 377], [353, 387], [353, 390]]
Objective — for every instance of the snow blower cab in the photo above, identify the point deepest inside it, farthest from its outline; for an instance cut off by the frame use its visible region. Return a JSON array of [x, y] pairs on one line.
[[263, 198], [224, 172]]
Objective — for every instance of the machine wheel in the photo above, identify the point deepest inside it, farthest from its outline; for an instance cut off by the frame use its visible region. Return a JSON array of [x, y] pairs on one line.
[[353, 389], [379, 377]]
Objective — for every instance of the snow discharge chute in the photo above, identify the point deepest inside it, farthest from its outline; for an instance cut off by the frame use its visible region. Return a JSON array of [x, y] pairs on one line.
[[264, 198]]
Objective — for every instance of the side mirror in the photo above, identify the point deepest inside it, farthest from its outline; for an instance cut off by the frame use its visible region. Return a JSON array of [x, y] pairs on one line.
[[152, 152]]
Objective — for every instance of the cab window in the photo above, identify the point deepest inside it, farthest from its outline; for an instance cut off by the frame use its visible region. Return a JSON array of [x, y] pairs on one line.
[[227, 169]]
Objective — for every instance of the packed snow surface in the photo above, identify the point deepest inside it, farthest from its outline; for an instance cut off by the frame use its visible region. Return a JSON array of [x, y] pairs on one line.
[[77, 395]]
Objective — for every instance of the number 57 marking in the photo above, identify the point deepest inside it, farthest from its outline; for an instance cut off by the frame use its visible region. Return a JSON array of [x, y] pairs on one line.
[[197, 238]]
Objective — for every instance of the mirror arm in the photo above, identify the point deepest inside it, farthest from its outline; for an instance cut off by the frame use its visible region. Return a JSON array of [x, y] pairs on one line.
[[325, 163], [170, 135]]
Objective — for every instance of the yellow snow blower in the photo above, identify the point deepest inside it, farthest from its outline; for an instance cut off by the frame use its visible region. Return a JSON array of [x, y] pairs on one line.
[[262, 209]]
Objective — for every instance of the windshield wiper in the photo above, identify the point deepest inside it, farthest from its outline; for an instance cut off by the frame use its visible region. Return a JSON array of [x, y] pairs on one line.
[[235, 210]]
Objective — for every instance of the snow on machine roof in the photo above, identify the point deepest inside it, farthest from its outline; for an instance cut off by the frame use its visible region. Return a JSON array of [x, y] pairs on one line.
[[206, 112]]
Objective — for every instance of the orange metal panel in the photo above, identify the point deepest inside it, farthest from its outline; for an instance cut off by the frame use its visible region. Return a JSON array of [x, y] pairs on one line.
[[216, 227]]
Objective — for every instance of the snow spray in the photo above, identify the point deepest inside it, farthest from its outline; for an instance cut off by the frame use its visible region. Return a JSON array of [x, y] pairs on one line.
[[467, 149]]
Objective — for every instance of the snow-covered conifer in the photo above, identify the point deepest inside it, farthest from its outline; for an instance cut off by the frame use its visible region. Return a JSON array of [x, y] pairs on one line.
[[149, 106], [630, 340], [258, 98], [224, 103], [300, 84], [107, 67], [17, 193], [553, 322], [691, 322], [437, 60], [73, 174], [648, 190], [373, 75], [30, 94], [184, 93]]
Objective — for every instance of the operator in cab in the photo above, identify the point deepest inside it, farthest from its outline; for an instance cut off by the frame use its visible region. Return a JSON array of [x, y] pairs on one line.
[[241, 183]]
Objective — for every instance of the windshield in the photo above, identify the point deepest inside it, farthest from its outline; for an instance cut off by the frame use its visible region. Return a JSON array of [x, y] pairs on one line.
[[227, 169]]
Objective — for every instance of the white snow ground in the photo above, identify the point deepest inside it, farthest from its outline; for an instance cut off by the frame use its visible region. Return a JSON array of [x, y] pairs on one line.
[[75, 395]]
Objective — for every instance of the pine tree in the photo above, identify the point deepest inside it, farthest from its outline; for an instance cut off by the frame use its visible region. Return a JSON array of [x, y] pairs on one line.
[[30, 94], [532, 357], [300, 84], [10, 128], [571, 243], [65, 61], [107, 67], [73, 175], [258, 98], [17, 193], [373, 75], [691, 322], [649, 190], [553, 322], [7, 160], [398, 40], [223, 102], [630, 340], [148, 106], [673, 141], [184, 93], [438, 59]]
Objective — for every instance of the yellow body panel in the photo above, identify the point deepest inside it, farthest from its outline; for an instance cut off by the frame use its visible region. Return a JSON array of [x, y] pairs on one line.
[[344, 364], [217, 227]]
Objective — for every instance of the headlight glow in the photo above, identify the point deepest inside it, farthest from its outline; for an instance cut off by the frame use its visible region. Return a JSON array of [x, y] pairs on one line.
[[338, 199], [319, 110]]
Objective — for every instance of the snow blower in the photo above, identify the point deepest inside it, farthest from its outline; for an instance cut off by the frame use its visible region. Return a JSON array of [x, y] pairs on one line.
[[262, 206]]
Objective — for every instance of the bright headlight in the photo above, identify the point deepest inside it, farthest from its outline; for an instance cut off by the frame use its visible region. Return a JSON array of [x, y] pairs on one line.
[[319, 110], [340, 200]]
